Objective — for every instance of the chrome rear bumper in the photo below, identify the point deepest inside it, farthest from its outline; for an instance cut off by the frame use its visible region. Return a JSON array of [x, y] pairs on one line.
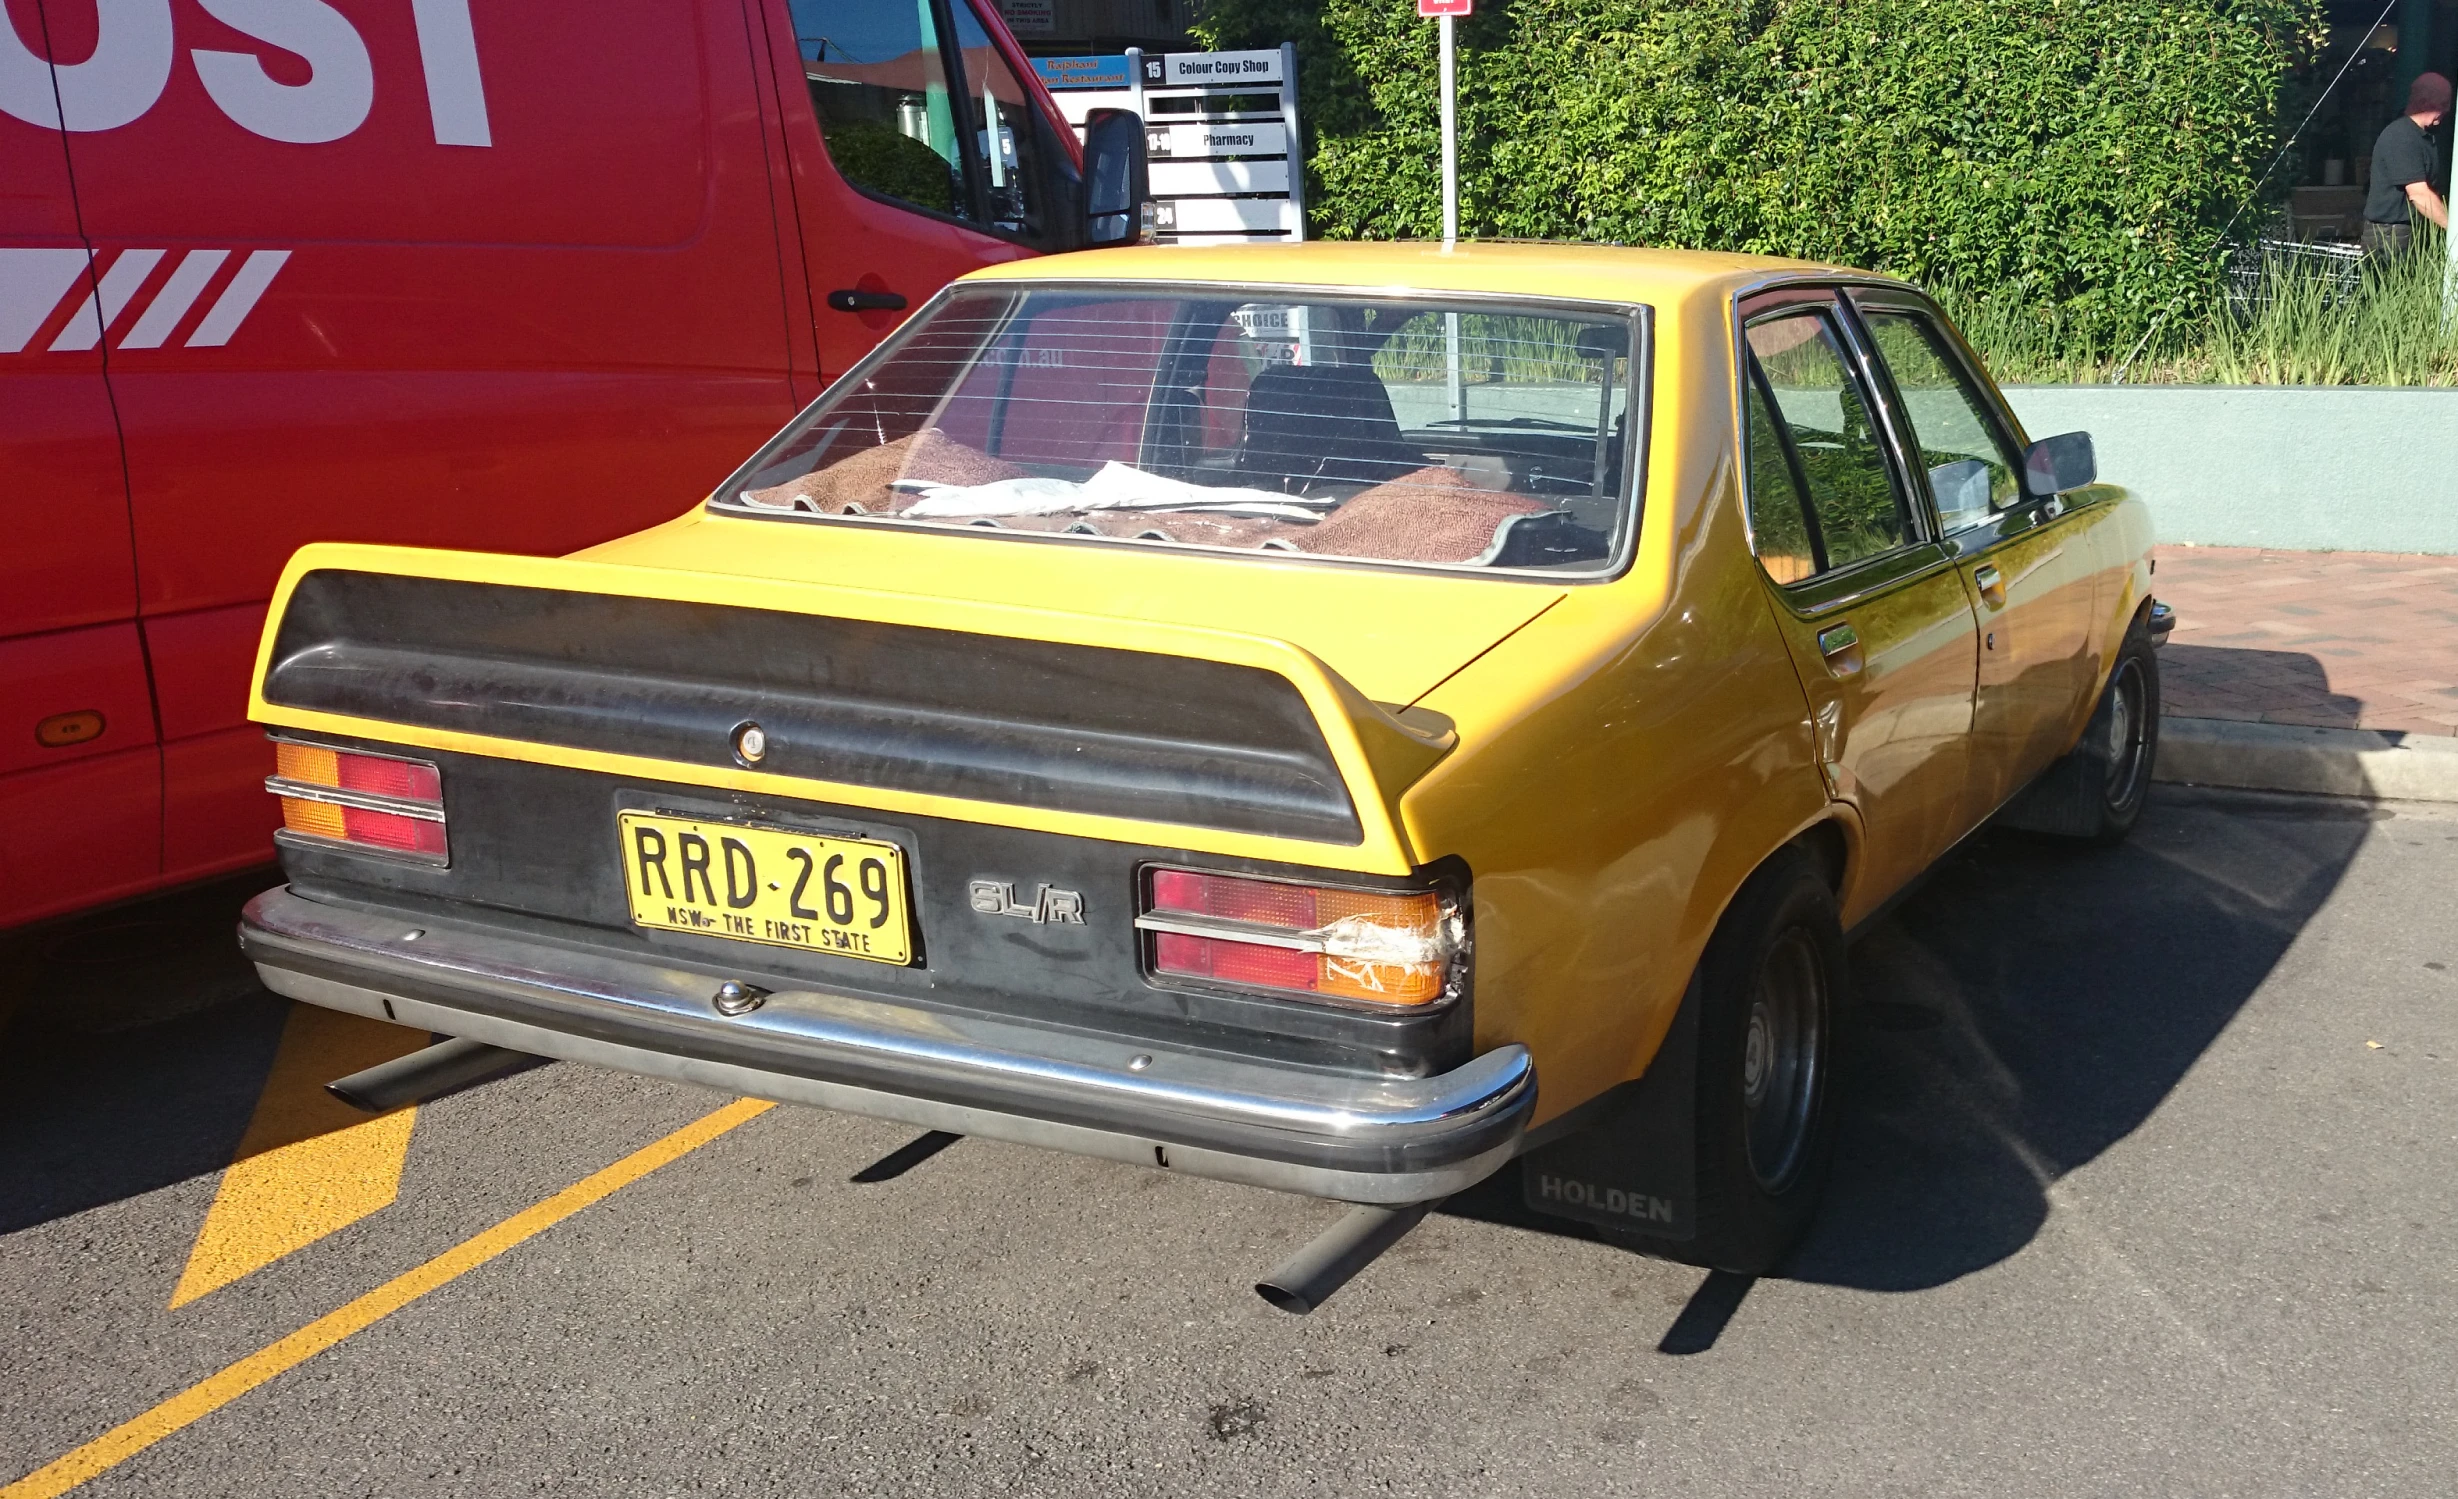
[[1354, 1139]]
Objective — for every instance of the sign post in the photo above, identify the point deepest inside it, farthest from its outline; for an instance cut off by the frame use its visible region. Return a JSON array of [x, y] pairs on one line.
[[1444, 11]]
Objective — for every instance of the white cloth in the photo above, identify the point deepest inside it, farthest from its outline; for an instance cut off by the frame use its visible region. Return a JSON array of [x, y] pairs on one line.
[[1115, 487]]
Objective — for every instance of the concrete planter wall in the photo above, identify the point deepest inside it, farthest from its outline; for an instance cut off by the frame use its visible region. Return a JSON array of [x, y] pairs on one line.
[[2312, 468]]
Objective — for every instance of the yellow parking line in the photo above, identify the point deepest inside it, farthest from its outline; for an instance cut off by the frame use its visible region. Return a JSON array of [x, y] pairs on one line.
[[210, 1394], [309, 1165]]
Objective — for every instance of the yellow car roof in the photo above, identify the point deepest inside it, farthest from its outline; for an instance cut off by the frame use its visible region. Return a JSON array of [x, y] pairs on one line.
[[1590, 272]]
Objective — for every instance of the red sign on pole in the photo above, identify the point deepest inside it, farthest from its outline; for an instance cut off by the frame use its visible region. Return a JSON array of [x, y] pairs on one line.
[[1445, 7]]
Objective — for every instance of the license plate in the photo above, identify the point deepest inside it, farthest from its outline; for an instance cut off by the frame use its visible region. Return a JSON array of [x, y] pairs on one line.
[[844, 896]]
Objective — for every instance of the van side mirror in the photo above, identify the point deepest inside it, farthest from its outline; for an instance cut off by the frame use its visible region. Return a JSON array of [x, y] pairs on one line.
[[2057, 464], [1117, 177]]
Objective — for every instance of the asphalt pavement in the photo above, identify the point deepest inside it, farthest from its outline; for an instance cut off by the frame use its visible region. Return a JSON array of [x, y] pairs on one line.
[[2148, 1185]]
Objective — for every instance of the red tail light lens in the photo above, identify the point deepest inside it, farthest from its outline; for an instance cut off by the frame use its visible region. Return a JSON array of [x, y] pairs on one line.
[[381, 802], [1372, 946]]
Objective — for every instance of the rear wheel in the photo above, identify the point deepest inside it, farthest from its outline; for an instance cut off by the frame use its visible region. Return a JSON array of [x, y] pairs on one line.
[[1771, 990]]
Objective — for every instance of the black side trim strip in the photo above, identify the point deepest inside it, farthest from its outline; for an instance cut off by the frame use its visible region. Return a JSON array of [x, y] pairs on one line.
[[1022, 722]]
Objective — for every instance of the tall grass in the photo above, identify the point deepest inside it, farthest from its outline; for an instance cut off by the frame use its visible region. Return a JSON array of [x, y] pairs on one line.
[[1494, 347], [2297, 323]]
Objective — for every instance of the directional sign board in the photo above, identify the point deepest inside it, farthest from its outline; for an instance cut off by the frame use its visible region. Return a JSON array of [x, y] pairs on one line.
[[1221, 128], [1446, 7]]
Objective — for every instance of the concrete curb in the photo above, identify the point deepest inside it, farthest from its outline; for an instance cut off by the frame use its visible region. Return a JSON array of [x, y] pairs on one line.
[[2377, 764]]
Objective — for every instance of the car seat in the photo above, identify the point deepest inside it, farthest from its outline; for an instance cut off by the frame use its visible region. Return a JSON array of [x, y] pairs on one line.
[[1307, 422]]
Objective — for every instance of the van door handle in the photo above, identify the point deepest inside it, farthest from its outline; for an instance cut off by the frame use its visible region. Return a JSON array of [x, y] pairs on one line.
[[1992, 585], [1841, 645], [851, 300]]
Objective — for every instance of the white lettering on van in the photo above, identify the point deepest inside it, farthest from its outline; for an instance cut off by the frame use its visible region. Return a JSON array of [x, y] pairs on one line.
[[448, 50], [135, 47], [121, 80], [341, 82]]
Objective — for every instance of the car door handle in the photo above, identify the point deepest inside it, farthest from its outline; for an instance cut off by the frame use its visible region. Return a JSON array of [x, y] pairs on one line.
[[1992, 585], [851, 300], [1841, 645]]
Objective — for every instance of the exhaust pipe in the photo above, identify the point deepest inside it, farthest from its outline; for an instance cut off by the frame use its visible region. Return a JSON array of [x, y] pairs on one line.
[[446, 1067], [1307, 1279]]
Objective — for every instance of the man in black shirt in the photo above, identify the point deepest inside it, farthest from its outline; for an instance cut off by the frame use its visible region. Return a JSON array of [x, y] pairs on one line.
[[2404, 165]]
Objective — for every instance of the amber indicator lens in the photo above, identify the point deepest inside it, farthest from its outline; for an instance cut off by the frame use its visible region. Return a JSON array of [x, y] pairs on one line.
[[1372, 946], [61, 730], [414, 784]]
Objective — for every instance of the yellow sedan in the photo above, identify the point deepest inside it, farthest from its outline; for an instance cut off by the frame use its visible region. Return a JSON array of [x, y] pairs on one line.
[[1346, 719]]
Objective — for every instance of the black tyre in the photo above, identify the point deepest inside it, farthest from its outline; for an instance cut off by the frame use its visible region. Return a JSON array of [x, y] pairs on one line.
[[1771, 991], [2096, 793]]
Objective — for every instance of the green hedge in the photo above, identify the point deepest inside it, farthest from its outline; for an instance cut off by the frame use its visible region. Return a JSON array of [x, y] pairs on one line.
[[2080, 157]]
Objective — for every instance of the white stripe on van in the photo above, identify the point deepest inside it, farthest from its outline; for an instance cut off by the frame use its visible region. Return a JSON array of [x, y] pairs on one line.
[[106, 302], [172, 302], [31, 284], [238, 299]]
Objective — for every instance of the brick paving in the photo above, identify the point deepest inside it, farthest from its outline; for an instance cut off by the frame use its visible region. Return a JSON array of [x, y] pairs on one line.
[[2343, 640]]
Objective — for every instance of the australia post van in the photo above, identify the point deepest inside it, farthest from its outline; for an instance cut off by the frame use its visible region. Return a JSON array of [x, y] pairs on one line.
[[509, 275]]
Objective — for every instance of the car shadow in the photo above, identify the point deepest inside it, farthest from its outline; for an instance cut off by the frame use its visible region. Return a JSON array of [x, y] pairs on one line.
[[2026, 1009], [2238, 682], [133, 1045]]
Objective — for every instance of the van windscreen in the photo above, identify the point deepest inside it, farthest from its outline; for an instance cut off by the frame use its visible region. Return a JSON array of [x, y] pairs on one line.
[[1426, 432]]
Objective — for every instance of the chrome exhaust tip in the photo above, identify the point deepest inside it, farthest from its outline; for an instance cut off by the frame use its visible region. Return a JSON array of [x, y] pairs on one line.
[[1307, 1279]]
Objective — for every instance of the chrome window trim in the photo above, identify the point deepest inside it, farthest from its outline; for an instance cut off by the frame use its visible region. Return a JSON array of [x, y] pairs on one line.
[[1638, 317], [1871, 575], [1867, 578], [1992, 401]]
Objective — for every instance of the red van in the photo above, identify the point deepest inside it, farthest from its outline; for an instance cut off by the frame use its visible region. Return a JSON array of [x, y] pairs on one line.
[[516, 276]]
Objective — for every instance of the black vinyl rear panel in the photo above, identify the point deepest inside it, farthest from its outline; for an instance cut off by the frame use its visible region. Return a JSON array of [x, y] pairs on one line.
[[1027, 723], [534, 849]]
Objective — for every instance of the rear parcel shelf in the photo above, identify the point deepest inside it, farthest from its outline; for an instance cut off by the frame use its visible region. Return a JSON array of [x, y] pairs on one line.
[[995, 718]]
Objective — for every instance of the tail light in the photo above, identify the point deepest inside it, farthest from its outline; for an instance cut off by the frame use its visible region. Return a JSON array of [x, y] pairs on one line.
[[380, 803], [1378, 947]]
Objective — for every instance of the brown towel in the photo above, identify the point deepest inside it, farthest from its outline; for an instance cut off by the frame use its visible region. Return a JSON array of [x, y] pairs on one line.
[[863, 478], [1431, 515]]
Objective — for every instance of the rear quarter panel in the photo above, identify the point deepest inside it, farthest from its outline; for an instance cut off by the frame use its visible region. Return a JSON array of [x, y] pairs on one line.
[[1627, 759]]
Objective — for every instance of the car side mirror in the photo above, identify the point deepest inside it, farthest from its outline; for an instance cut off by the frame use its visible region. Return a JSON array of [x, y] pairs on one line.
[[2057, 464], [1117, 177], [1962, 492]]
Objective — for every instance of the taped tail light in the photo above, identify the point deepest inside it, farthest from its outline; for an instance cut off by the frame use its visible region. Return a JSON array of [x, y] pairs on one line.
[[1378, 947], [378, 803]]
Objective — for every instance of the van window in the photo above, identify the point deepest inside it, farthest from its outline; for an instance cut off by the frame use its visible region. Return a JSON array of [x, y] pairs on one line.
[[879, 83], [1002, 134]]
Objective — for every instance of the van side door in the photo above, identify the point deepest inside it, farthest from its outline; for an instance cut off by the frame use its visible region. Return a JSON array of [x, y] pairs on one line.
[[2029, 562], [80, 770], [499, 276], [1870, 605], [920, 148]]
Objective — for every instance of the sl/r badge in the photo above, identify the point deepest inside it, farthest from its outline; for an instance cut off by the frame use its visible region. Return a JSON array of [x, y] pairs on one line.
[[1049, 903]]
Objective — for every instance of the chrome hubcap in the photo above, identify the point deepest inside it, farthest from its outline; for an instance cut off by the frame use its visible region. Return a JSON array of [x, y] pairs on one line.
[[1782, 1058], [2128, 734]]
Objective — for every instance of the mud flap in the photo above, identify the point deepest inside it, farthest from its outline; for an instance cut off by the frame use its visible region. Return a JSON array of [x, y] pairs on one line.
[[1635, 1168]]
